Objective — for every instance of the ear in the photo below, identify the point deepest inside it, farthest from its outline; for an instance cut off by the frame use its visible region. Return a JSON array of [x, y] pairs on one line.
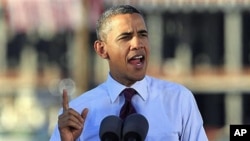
[[101, 49]]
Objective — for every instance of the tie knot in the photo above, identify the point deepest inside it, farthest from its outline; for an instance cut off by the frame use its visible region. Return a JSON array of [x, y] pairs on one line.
[[128, 93]]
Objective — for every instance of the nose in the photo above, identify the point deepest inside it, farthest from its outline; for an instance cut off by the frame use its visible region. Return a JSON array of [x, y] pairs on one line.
[[136, 43]]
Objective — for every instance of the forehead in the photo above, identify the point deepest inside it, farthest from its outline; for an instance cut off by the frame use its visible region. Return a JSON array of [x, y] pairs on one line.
[[126, 22]]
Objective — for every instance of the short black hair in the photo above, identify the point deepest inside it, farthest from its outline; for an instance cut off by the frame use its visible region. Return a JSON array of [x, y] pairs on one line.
[[115, 10]]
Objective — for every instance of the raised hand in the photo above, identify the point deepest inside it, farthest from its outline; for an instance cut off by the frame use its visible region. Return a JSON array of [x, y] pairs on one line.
[[70, 122]]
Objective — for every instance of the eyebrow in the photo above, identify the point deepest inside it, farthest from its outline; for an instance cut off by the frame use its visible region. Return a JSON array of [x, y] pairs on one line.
[[143, 31]]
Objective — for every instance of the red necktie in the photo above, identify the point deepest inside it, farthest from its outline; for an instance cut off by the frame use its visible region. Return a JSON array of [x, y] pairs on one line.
[[127, 107]]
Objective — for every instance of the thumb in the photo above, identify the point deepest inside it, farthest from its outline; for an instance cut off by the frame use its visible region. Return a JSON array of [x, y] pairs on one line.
[[84, 113]]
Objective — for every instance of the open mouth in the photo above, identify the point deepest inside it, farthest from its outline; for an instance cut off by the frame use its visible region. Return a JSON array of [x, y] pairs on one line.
[[137, 60]]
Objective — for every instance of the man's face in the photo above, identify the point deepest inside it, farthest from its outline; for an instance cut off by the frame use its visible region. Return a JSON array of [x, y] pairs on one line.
[[127, 47]]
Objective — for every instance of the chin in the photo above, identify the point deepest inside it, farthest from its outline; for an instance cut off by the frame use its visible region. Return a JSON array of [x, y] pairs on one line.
[[139, 77]]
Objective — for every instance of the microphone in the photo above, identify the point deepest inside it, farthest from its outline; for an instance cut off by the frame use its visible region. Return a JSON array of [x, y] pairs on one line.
[[110, 128], [135, 128]]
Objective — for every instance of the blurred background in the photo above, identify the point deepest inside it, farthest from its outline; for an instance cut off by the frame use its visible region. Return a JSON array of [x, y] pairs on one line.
[[47, 46]]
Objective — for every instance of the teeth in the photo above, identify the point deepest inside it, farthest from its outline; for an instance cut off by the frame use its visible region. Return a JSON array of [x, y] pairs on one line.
[[138, 57]]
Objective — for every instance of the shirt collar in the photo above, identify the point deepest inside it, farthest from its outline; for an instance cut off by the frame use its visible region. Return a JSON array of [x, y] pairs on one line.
[[115, 88]]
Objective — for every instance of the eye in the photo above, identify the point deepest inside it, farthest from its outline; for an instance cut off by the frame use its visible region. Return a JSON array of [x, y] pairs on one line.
[[144, 35], [126, 37]]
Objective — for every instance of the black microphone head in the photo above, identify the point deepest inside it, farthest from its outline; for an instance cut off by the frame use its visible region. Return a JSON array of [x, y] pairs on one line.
[[110, 128], [135, 127]]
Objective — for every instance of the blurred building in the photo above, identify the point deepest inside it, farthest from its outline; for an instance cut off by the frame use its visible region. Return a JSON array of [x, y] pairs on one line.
[[46, 45]]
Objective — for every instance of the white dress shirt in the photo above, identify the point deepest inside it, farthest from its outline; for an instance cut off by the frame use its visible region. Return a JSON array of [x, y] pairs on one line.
[[170, 109]]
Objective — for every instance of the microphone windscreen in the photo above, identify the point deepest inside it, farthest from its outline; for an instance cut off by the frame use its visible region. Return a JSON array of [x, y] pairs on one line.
[[135, 127], [110, 128]]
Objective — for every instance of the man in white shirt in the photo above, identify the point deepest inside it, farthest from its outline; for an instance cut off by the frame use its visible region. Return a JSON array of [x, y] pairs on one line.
[[170, 108]]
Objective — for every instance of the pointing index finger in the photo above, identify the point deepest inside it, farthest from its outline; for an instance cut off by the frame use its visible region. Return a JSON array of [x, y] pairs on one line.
[[65, 103]]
